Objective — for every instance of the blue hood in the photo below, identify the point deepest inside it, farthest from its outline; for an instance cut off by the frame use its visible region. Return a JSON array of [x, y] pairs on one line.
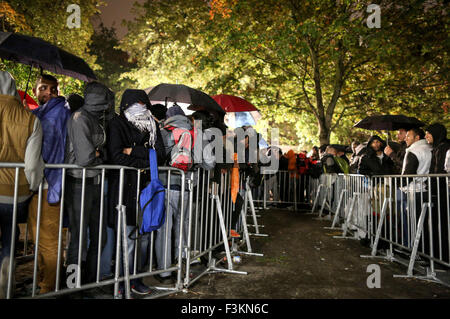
[[53, 116]]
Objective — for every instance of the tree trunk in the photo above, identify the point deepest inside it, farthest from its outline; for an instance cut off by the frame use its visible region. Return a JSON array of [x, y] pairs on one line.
[[324, 132]]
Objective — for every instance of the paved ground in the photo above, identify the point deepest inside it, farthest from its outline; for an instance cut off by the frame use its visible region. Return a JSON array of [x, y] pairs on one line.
[[303, 260]]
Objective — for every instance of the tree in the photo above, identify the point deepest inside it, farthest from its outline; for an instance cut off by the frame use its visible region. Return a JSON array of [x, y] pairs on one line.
[[292, 58], [48, 20], [113, 62]]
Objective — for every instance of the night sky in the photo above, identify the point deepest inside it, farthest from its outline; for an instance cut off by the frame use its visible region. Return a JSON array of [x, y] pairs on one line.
[[115, 12]]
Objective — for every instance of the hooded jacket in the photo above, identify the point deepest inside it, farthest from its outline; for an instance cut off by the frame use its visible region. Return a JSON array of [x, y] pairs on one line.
[[123, 134], [20, 142], [54, 116], [417, 162], [86, 129], [178, 121], [440, 147], [370, 164], [360, 150]]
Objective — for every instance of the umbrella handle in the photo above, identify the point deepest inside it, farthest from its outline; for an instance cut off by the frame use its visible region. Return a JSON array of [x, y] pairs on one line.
[[28, 82]]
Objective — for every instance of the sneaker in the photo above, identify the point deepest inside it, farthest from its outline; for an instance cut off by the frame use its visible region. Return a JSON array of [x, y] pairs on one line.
[[138, 287], [234, 234]]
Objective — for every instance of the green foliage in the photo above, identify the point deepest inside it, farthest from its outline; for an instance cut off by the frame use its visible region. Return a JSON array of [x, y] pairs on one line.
[[112, 61], [313, 68], [48, 20]]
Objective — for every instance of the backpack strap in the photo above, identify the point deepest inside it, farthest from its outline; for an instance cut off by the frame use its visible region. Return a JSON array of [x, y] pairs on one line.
[[153, 164]]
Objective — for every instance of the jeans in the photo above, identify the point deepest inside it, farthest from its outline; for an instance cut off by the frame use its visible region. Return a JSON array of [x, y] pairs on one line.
[[108, 253], [6, 219], [173, 220], [142, 255], [401, 208], [91, 219]]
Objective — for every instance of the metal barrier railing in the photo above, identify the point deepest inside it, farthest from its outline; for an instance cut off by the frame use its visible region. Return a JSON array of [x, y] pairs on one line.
[[409, 213], [206, 217], [287, 188], [211, 220], [122, 239]]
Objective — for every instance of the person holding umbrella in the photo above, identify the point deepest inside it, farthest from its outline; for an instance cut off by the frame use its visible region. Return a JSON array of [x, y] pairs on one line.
[[398, 155], [390, 122]]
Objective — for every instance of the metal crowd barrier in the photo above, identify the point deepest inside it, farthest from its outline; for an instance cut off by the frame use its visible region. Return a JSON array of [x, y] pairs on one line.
[[407, 215], [121, 237], [211, 220], [203, 232], [283, 188]]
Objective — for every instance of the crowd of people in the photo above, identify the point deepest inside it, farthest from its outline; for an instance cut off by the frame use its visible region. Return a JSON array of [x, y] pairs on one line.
[[416, 152], [87, 131]]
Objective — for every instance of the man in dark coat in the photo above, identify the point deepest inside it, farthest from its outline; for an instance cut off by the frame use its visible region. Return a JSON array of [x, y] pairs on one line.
[[436, 135], [375, 162], [128, 143]]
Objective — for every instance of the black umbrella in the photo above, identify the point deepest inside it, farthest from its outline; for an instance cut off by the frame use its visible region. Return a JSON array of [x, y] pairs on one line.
[[39, 53], [184, 94], [389, 122]]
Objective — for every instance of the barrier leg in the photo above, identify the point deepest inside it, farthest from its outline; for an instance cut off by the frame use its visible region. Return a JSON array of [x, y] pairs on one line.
[[324, 202], [246, 233], [348, 220], [225, 238], [249, 199], [389, 256], [316, 199], [430, 276], [338, 209], [126, 268]]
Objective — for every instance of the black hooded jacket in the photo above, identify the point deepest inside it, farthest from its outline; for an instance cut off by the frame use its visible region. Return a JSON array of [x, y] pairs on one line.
[[371, 165], [440, 147], [122, 134], [86, 129]]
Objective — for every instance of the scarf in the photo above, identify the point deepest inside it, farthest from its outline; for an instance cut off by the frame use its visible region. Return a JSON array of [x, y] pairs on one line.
[[138, 115]]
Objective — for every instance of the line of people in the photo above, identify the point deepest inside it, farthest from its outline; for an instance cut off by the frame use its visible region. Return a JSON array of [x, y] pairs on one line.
[[86, 131], [416, 152]]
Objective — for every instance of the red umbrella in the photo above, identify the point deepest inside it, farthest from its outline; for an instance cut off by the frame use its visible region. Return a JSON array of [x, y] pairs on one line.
[[231, 103], [31, 103]]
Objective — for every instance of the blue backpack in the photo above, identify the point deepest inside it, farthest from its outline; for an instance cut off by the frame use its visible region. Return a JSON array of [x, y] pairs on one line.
[[152, 200]]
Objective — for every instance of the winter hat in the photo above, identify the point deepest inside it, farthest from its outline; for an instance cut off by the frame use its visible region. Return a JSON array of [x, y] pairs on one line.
[[159, 111], [75, 101], [132, 96], [175, 110], [438, 131]]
